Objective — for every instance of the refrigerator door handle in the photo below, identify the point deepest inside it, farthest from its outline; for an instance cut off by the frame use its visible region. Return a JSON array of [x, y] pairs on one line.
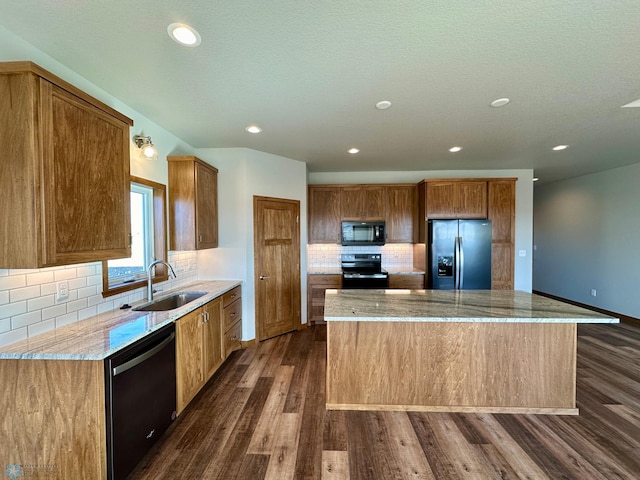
[[456, 263], [460, 264]]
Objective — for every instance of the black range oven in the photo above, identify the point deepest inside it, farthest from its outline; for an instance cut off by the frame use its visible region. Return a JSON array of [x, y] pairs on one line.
[[363, 270]]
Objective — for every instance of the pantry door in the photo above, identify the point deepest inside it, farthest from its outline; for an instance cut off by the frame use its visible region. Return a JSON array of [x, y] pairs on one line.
[[276, 227]]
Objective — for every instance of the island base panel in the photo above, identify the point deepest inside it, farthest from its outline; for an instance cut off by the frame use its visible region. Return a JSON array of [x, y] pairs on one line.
[[454, 367]]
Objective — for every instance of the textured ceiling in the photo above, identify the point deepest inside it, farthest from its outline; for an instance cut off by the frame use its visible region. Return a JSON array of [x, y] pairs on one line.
[[310, 73]]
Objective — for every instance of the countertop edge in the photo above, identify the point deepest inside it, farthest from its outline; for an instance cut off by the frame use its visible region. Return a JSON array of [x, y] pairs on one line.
[[172, 316]]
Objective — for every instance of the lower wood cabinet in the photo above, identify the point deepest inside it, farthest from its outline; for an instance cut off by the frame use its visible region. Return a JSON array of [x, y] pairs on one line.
[[204, 339], [232, 321], [316, 286], [408, 281]]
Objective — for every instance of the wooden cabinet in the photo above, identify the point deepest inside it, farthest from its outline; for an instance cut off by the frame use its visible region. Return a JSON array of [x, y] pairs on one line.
[[495, 197], [204, 339], [409, 281], [193, 204], [501, 212], [316, 286], [363, 202], [64, 174], [232, 321], [401, 218], [330, 204], [324, 214], [456, 199], [189, 357], [212, 333]]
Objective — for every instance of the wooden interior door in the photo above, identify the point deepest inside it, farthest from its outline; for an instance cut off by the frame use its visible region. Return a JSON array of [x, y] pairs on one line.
[[277, 265]]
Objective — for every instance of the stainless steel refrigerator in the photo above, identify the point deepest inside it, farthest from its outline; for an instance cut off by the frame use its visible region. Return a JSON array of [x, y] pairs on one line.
[[459, 255]]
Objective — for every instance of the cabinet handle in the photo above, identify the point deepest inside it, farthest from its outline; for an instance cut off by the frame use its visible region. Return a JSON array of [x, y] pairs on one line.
[[232, 315], [234, 337], [130, 240], [199, 238], [205, 317], [264, 277]]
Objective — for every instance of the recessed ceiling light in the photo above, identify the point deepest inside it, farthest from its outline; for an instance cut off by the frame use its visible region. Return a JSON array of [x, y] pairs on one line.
[[500, 102], [253, 129], [184, 34], [383, 105], [557, 148], [455, 149], [353, 151]]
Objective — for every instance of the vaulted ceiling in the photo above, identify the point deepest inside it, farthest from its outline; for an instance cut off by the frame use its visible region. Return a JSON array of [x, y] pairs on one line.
[[310, 74]]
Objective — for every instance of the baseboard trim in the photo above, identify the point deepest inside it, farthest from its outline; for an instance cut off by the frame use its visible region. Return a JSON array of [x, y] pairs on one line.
[[623, 318]]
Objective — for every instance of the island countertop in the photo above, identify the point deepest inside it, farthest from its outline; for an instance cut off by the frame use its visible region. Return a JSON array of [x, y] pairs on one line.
[[453, 306], [97, 337]]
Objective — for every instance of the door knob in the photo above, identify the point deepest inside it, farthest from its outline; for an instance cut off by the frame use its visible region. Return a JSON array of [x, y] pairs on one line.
[[263, 277]]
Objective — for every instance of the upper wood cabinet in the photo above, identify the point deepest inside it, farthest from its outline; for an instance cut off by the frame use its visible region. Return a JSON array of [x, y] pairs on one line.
[[401, 217], [193, 204], [456, 199], [64, 172], [324, 214], [363, 202]]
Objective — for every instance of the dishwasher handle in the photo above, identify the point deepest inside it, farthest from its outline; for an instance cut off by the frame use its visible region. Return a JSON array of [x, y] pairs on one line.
[[144, 356]]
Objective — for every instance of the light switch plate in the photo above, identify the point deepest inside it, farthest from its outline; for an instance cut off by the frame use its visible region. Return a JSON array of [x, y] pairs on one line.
[[522, 253]]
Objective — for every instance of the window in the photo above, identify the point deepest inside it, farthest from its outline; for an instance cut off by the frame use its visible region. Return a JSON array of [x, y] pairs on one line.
[[148, 240]]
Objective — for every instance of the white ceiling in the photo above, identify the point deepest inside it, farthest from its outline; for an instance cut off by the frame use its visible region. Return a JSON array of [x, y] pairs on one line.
[[310, 72]]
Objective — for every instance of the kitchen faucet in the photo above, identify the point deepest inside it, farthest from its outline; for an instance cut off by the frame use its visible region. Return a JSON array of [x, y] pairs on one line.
[[149, 279]]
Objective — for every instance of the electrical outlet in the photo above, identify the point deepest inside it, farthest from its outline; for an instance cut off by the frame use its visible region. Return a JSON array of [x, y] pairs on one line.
[[62, 290], [522, 253], [593, 292]]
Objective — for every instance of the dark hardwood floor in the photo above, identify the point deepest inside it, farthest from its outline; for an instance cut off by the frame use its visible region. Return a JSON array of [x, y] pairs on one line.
[[262, 416]]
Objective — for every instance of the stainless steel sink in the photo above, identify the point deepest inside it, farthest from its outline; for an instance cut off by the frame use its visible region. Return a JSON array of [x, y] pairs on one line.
[[171, 302]]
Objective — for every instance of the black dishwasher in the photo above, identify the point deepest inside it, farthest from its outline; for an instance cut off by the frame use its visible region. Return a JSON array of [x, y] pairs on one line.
[[140, 399]]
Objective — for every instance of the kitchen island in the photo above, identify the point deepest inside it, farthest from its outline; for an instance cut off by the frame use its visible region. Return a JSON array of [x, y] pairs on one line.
[[490, 351]]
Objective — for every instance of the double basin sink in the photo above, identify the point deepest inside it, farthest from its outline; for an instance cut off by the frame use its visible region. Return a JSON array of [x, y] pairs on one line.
[[170, 302]]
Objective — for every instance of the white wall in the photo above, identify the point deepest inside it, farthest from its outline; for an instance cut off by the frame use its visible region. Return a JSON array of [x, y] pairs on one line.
[[245, 173], [586, 236], [524, 204]]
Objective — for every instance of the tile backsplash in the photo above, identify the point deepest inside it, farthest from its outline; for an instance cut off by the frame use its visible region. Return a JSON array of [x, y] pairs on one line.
[[28, 304], [394, 255]]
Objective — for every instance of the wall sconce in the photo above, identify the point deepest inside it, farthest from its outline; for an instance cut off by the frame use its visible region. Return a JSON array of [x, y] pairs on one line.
[[146, 146]]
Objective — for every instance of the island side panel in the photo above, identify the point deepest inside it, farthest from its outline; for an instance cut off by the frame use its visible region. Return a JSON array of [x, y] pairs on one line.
[[441, 366], [54, 417]]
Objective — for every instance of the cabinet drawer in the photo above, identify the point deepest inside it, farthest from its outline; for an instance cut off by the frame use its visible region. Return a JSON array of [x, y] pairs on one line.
[[232, 338], [231, 314], [231, 296], [329, 280]]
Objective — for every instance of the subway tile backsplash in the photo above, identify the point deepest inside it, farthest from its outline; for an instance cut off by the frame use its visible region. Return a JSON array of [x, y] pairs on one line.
[[28, 304], [394, 255]]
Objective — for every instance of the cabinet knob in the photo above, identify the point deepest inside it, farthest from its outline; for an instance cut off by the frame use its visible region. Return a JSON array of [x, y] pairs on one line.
[[234, 337], [232, 315]]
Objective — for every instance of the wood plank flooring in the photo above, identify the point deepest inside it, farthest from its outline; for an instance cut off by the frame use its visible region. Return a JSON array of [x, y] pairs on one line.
[[262, 416]]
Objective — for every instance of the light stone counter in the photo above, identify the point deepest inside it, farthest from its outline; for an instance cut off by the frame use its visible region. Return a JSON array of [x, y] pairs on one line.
[[453, 306], [98, 337]]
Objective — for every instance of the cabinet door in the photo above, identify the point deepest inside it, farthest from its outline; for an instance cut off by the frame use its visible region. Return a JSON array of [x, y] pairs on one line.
[[501, 212], [212, 331], [441, 200], [85, 155], [324, 214], [471, 199], [401, 213], [206, 207], [189, 357], [363, 202]]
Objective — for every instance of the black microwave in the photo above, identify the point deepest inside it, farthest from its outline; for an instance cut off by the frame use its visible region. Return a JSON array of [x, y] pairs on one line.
[[362, 233]]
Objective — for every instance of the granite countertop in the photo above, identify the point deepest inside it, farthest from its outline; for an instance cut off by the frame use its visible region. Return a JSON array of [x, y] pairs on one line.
[[453, 306], [98, 337], [405, 271]]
